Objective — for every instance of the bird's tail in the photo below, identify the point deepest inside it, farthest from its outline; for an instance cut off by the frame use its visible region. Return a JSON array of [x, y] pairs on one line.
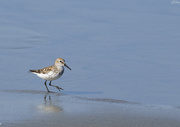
[[33, 71]]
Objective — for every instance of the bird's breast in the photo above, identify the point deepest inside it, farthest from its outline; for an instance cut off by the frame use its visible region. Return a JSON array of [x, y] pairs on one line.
[[61, 72]]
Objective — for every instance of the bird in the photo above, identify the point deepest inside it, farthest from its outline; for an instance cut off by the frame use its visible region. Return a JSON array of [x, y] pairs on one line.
[[51, 73]]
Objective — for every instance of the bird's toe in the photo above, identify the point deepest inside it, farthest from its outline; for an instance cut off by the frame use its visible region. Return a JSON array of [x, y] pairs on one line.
[[59, 88]]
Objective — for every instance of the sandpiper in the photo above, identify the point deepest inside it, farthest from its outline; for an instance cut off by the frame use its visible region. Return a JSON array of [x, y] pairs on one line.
[[52, 72]]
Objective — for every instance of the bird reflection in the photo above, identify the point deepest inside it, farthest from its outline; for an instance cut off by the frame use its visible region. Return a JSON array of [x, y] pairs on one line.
[[49, 105]]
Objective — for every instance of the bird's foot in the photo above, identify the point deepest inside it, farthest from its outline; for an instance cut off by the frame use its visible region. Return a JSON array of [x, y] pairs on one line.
[[51, 92], [59, 88]]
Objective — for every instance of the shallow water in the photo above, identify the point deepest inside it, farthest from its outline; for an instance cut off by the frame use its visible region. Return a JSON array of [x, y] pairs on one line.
[[120, 50], [27, 108]]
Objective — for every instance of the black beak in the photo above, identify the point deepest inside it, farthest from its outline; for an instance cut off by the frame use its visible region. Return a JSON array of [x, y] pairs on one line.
[[67, 66]]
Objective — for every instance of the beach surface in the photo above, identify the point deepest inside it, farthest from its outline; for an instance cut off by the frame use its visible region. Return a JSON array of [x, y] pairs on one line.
[[42, 109], [124, 57]]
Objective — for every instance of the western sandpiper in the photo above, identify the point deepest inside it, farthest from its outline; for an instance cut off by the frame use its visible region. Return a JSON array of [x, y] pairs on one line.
[[52, 72]]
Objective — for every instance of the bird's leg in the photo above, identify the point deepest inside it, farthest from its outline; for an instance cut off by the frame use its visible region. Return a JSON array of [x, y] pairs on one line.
[[46, 86], [59, 88]]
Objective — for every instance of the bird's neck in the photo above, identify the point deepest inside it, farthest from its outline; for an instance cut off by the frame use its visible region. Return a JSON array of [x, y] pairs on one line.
[[60, 68]]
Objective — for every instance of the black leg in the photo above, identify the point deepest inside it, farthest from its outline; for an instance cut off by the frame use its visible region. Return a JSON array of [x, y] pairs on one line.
[[46, 86], [59, 88]]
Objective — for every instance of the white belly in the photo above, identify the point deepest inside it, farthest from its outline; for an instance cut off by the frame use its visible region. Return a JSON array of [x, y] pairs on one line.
[[50, 76]]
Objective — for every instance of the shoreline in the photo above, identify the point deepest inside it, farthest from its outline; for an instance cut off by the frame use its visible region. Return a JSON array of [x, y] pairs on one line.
[[33, 109]]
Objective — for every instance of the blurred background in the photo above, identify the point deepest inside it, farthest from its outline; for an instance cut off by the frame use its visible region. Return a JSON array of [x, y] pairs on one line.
[[117, 49]]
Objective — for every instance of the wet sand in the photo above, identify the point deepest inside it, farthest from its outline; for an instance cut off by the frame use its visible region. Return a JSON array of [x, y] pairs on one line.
[[123, 54], [41, 109]]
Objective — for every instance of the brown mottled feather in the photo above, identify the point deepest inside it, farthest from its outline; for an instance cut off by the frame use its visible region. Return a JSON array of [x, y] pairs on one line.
[[44, 70]]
